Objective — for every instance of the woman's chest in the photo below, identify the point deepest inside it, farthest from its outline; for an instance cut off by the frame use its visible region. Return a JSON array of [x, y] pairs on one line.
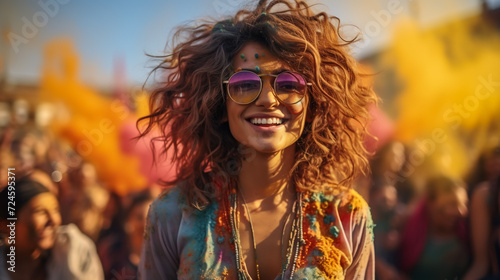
[[266, 243], [212, 244]]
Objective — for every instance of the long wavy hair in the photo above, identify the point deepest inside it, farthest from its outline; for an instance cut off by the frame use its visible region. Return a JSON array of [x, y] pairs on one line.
[[188, 105]]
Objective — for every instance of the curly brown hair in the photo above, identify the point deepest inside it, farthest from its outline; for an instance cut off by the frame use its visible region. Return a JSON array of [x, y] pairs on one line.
[[188, 107]]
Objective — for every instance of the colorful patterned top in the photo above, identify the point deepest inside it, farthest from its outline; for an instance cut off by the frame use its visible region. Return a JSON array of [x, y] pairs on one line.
[[181, 242]]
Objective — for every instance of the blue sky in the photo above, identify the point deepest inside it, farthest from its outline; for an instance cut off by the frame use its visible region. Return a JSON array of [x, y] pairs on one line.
[[104, 31]]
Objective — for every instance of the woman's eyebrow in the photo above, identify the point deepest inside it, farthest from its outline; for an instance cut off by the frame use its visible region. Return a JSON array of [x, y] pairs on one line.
[[274, 72]]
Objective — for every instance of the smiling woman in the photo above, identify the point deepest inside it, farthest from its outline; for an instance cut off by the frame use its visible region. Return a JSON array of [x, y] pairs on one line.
[[265, 123], [43, 249], [264, 113]]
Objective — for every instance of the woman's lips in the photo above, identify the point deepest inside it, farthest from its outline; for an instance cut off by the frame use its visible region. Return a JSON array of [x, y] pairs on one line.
[[266, 121], [267, 127]]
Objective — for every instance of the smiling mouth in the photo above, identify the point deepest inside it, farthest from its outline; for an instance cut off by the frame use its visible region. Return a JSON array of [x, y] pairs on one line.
[[267, 121]]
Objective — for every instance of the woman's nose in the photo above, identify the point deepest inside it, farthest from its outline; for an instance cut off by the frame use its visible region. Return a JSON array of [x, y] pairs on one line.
[[267, 97]]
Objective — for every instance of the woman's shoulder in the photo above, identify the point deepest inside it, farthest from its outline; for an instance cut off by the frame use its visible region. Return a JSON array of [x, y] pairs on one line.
[[168, 205], [340, 226], [349, 207], [170, 197], [165, 212], [353, 201]]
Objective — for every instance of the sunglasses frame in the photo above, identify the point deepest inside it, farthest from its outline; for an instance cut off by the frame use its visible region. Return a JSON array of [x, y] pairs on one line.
[[262, 85]]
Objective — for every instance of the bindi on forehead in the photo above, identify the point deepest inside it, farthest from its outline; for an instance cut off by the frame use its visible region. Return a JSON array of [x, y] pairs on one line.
[[257, 58], [256, 55]]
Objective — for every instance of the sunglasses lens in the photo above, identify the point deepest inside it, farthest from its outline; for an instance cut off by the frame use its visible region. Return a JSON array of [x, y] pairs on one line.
[[290, 87], [244, 87]]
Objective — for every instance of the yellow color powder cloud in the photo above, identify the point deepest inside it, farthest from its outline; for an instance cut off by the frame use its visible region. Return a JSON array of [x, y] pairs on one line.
[[94, 122], [451, 78]]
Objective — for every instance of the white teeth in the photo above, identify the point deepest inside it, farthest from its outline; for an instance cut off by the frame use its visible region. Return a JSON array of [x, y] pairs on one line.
[[266, 121]]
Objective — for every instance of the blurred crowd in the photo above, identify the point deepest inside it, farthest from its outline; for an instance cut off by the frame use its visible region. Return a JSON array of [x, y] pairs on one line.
[[113, 223], [445, 227]]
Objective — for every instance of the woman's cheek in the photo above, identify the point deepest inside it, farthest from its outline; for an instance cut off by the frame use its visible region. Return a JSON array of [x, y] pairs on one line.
[[296, 108]]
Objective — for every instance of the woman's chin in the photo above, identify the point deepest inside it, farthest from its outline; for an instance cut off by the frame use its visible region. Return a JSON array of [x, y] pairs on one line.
[[46, 244], [46, 241], [267, 149], [268, 146]]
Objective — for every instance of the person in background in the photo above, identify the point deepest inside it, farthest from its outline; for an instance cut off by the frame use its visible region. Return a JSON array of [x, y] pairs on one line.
[[44, 249], [120, 252], [86, 201], [386, 164], [389, 215], [485, 223], [487, 168], [434, 240], [112, 217]]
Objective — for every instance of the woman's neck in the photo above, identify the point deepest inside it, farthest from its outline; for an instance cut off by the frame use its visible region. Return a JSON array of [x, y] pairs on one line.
[[267, 175]]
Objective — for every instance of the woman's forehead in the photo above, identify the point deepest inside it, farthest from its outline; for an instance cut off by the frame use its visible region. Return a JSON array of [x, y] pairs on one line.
[[256, 57], [46, 199], [254, 47]]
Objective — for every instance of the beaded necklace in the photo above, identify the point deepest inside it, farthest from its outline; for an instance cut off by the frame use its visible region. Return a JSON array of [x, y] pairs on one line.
[[296, 240], [253, 236]]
